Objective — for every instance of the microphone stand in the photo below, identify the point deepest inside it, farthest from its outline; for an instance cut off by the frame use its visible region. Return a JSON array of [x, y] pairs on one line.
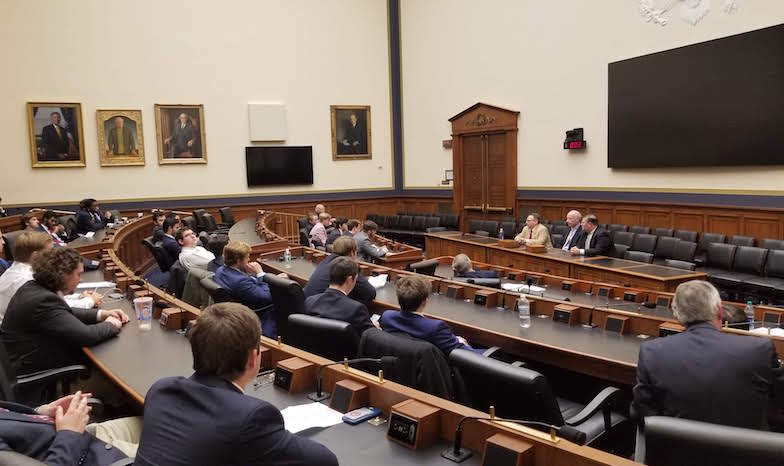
[[318, 395]]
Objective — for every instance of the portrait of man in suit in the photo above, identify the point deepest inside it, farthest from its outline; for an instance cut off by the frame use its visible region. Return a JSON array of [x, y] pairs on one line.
[[120, 136], [350, 132], [55, 134], [121, 140], [180, 131]]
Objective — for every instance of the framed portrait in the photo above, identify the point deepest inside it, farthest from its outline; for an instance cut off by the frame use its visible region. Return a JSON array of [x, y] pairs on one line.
[[350, 132], [56, 136], [120, 137], [181, 135]]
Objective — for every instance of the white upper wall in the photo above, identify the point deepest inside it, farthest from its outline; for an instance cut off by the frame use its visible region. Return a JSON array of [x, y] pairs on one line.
[[548, 60], [308, 54]]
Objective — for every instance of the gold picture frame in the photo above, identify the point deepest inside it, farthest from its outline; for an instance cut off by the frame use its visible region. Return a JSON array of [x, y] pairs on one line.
[[120, 137], [350, 137], [56, 134], [180, 140]]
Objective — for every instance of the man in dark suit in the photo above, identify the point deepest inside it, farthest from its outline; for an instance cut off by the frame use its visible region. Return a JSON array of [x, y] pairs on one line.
[[340, 229], [462, 267], [183, 138], [158, 218], [366, 250], [704, 374], [334, 303], [89, 218], [412, 292], [39, 330], [573, 219], [345, 246], [354, 139], [168, 242], [206, 419], [57, 143], [594, 241]]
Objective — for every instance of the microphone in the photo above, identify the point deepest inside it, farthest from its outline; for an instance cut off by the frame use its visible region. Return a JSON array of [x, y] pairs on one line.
[[458, 455], [318, 395]]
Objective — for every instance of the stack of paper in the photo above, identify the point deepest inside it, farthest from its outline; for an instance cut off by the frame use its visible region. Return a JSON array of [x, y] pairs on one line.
[[378, 281], [300, 417]]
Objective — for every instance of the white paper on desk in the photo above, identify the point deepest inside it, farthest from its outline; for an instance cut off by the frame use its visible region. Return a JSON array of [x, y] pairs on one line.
[[89, 234], [523, 288], [513, 286], [378, 281], [777, 332], [300, 417], [84, 285]]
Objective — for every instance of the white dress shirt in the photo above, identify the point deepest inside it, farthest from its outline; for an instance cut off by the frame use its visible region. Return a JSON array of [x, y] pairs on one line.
[[195, 257], [20, 273], [587, 243]]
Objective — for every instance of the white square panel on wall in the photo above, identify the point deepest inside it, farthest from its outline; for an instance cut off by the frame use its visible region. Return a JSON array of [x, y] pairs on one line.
[[267, 122]]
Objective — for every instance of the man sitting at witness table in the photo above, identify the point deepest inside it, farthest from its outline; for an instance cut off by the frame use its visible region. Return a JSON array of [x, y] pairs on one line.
[[412, 292], [366, 250], [169, 243], [89, 218], [334, 302], [30, 222], [40, 331], [206, 419], [704, 374], [58, 433], [318, 234], [573, 219], [345, 246], [243, 279], [191, 255], [594, 241], [51, 225], [462, 267], [534, 233], [27, 245]]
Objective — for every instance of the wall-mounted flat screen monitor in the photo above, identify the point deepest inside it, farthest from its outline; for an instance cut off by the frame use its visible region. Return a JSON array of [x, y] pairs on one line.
[[279, 165]]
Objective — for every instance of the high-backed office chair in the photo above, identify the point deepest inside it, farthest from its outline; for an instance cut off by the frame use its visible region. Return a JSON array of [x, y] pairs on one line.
[[769, 243], [227, 216], [644, 242], [474, 225], [370, 216], [772, 285], [749, 264], [686, 235], [190, 222], [198, 214], [719, 261], [177, 274], [664, 441], [211, 226], [640, 229], [304, 237], [218, 293], [561, 229], [69, 223], [663, 231], [556, 223], [491, 226], [287, 297], [706, 239], [619, 250], [618, 227], [381, 220], [665, 247], [680, 264], [685, 251], [639, 256], [161, 256], [433, 224], [521, 393], [329, 338], [451, 221], [557, 240], [624, 237], [740, 240], [510, 229], [426, 267], [10, 241]]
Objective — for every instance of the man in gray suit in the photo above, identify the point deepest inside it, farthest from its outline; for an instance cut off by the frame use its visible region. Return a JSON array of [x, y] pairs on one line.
[[367, 251]]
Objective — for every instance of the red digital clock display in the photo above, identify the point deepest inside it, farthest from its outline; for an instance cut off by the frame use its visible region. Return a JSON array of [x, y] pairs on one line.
[[575, 144]]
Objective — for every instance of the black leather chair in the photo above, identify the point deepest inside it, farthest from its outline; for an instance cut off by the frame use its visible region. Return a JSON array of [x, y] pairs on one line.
[[227, 216], [769, 243], [719, 261], [557, 240], [370, 216], [640, 229], [177, 276], [474, 225], [190, 222], [69, 222], [491, 226], [287, 297], [10, 241], [211, 226], [329, 338], [521, 393], [619, 250], [161, 256], [639, 256], [685, 251], [198, 214], [660, 231], [644, 242], [749, 264], [433, 222], [419, 222], [555, 223], [561, 229], [680, 264], [772, 285], [381, 220], [450, 221], [664, 441], [510, 229], [216, 292], [618, 227], [687, 235], [304, 237], [426, 267], [624, 237], [665, 247], [706, 239], [740, 240]]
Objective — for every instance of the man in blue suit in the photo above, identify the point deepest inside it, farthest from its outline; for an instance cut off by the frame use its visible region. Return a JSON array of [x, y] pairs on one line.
[[89, 218], [412, 292], [334, 303], [169, 243], [462, 267], [344, 246], [206, 419], [243, 279], [704, 374]]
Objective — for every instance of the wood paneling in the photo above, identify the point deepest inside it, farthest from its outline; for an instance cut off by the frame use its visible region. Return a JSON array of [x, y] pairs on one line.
[[727, 224], [656, 218], [762, 226], [626, 217]]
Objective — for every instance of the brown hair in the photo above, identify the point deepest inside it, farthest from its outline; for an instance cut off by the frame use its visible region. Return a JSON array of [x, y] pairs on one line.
[[351, 224], [344, 246], [591, 218], [222, 338], [411, 291], [235, 252], [370, 225], [342, 268], [29, 243], [51, 267], [26, 218]]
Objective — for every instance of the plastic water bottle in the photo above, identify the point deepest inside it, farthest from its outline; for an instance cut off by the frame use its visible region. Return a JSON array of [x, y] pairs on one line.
[[749, 311], [501, 233], [287, 258], [524, 310]]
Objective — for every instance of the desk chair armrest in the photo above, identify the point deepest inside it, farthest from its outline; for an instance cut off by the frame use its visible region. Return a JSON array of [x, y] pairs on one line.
[[97, 408], [264, 309], [123, 462], [489, 352], [603, 401], [519, 364], [51, 375]]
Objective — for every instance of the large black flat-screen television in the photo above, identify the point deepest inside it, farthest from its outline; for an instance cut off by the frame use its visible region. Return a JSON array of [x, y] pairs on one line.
[[714, 103], [279, 165]]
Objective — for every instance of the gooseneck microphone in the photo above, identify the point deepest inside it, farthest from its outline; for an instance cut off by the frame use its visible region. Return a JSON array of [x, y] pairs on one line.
[[318, 395], [458, 455]]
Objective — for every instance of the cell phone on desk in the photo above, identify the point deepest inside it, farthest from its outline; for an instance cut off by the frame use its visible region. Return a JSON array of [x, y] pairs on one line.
[[360, 415]]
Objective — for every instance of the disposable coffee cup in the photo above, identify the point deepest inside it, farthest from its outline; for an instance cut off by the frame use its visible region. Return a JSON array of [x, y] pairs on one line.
[[143, 307]]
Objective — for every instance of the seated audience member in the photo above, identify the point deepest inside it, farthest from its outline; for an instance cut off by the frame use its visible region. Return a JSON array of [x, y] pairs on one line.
[[58, 433], [353, 226], [345, 246], [334, 302], [27, 245], [412, 292], [169, 243], [462, 267], [206, 419], [340, 230], [319, 209], [89, 218], [191, 255], [51, 225], [3, 212], [366, 250], [318, 234], [243, 280], [4, 265], [40, 331], [30, 222], [573, 219], [158, 218], [216, 246], [704, 374], [534, 233], [594, 241]]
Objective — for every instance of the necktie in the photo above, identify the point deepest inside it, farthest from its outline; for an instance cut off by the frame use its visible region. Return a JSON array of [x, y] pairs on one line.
[[531, 233], [568, 239], [57, 128]]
